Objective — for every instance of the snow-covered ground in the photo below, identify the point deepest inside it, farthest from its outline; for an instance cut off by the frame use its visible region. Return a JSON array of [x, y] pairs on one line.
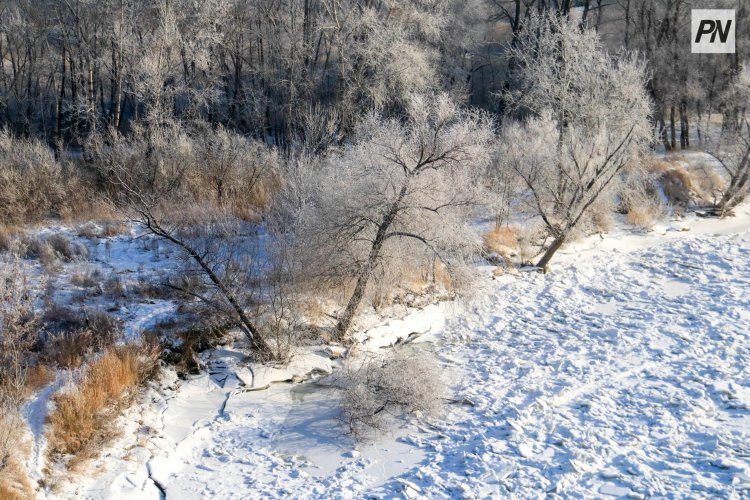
[[624, 372]]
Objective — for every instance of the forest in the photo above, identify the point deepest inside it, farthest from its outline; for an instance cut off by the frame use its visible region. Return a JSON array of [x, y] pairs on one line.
[[278, 179]]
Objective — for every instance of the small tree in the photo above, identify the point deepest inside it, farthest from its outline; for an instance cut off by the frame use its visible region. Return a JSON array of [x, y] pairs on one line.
[[400, 193], [586, 120]]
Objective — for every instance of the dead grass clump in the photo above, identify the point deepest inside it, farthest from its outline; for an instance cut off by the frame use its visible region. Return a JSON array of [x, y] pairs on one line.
[[38, 376], [75, 335], [114, 228], [503, 241], [85, 412], [676, 182], [62, 319], [87, 278], [375, 390], [643, 217], [14, 482], [89, 231], [67, 249], [6, 240], [36, 186], [38, 249], [108, 229]]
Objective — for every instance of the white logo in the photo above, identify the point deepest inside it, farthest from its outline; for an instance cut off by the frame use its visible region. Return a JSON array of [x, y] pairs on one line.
[[712, 31]]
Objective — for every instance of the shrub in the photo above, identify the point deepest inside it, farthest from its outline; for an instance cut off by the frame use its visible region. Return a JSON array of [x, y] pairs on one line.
[[377, 389], [18, 330], [86, 279], [85, 412], [35, 185]]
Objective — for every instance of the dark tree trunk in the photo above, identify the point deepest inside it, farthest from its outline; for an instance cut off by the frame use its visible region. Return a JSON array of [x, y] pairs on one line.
[[553, 248], [345, 320], [662, 126], [672, 131], [684, 126]]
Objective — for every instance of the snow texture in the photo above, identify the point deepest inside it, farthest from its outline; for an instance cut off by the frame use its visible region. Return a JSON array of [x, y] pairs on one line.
[[625, 372]]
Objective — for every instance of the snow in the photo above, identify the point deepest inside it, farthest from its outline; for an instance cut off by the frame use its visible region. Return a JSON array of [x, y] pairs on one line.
[[624, 372]]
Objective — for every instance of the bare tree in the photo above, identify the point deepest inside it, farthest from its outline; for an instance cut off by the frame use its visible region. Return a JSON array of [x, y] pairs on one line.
[[401, 192], [223, 249], [587, 120]]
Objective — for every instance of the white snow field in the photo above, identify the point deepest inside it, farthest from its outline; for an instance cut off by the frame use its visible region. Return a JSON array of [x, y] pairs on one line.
[[625, 372]]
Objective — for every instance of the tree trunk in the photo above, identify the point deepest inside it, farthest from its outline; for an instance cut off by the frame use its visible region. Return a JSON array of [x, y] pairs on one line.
[[672, 134], [662, 125], [249, 328], [345, 320], [553, 248], [684, 126]]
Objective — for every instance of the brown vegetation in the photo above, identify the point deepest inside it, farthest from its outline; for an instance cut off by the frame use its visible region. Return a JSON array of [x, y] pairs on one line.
[[503, 241], [85, 412], [14, 482], [675, 180]]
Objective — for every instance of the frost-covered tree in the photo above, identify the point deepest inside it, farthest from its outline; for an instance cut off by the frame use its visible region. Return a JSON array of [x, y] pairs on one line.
[[400, 193], [732, 151], [586, 119]]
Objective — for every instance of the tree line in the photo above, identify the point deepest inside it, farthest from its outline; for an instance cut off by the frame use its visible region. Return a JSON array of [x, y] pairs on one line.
[[285, 71]]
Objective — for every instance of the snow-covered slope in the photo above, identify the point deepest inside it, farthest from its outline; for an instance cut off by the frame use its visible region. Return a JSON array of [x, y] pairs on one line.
[[624, 372]]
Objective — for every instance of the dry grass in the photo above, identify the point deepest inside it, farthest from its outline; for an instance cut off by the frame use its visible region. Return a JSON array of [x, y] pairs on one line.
[[38, 376], [36, 186], [643, 217], [38, 249], [14, 482], [66, 249], [75, 335], [503, 241], [89, 278], [677, 183], [85, 412], [6, 240], [108, 229]]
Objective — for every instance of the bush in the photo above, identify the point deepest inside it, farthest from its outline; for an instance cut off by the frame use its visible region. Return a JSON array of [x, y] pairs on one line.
[[676, 182], [18, 330], [377, 389], [90, 278], [35, 185]]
